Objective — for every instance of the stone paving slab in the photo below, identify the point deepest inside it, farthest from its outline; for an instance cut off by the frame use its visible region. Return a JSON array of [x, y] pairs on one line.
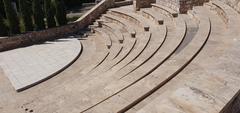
[[28, 66]]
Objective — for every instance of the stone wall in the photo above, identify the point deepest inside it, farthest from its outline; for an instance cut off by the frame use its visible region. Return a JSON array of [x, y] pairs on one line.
[[22, 40], [173, 4], [185, 5], [181, 6], [142, 4]]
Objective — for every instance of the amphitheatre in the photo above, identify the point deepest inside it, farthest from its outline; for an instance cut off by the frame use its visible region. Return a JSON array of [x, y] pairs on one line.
[[140, 56]]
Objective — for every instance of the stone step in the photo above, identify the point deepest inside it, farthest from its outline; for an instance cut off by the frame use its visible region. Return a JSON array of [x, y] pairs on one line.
[[151, 14], [130, 16], [116, 32], [188, 88], [116, 85], [105, 36], [165, 10], [115, 19], [191, 50]]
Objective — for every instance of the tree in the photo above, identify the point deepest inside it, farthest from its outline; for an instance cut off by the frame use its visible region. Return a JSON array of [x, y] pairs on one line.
[[3, 27], [2, 10], [60, 12], [26, 14], [38, 15], [12, 18], [49, 13]]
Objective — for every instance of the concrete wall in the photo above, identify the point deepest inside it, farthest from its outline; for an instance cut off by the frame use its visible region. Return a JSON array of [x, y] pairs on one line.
[[8, 43]]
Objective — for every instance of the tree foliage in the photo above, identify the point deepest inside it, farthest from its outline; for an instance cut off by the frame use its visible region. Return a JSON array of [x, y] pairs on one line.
[[49, 13], [60, 12], [12, 17], [3, 27], [26, 14], [38, 15], [2, 10]]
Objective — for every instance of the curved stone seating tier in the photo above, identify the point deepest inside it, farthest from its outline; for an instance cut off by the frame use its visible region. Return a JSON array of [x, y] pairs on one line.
[[149, 13], [114, 51], [116, 32], [222, 10], [116, 46], [165, 10], [159, 36], [128, 46], [105, 36], [230, 14], [192, 14], [127, 49], [101, 54], [157, 78], [141, 44], [130, 16], [115, 85], [112, 18], [176, 64], [193, 82], [26, 67]]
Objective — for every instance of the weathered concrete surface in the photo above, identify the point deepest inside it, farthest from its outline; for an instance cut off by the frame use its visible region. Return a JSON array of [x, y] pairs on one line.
[[28, 66]]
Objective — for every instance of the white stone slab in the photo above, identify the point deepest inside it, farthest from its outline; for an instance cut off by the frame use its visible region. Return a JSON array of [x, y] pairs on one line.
[[28, 66]]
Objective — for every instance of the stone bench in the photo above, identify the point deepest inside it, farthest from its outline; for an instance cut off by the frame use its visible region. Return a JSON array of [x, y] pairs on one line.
[[129, 16], [158, 77], [168, 10], [112, 27], [152, 15], [222, 10], [121, 21], [118, 88], [107, 38], [178, 61]]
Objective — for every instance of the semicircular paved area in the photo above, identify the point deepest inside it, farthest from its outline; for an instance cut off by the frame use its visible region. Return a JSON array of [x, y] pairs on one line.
[[29, 65]]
